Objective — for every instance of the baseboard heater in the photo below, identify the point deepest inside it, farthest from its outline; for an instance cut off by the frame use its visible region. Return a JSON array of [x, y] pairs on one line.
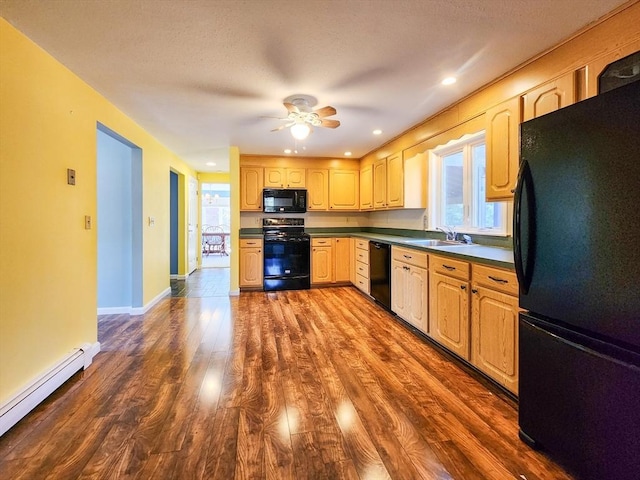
[[30, 397]]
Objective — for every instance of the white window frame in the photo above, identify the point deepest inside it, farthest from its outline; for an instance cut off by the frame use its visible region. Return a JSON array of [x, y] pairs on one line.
[[436, 215]]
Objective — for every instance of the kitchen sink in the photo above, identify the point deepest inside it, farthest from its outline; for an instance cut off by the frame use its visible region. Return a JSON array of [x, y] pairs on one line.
[[432, 242]]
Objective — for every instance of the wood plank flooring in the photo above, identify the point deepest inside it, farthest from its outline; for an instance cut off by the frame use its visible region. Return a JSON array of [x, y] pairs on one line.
[[314, 384]]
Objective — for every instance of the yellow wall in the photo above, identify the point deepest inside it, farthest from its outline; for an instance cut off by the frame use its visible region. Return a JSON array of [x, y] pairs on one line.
[[48, 119]]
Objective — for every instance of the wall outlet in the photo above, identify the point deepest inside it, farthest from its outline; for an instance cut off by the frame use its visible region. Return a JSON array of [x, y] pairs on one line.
[[87, 222], [152, 221], [424, 222], [71, 176]]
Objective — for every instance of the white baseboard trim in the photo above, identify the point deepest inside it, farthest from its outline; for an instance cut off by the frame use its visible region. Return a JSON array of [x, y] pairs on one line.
[[151, 304], [135, 310], [234, 293], [16, 408], [178, 277]]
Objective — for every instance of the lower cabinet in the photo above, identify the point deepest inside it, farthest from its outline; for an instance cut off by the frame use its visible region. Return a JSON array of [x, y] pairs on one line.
[[409, 286], [330, 260], [494, 324], [449, 304], [251, 263], [361, 264]]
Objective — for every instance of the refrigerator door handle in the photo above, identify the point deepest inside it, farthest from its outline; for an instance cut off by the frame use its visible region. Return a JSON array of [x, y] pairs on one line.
[[522, 221]]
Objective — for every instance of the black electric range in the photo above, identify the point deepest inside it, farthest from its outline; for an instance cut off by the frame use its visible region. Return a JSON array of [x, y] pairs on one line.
[[287, 254]]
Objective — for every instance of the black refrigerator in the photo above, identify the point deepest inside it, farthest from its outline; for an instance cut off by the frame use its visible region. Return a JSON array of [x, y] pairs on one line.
[[577, 257]]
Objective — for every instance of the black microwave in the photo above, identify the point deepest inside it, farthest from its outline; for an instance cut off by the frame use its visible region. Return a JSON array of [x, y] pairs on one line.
[[280, 200]]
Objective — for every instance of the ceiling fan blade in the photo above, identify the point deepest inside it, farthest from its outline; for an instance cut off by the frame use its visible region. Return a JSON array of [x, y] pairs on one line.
[[282, 127], [325, 111], [330, 123], [291, 108]]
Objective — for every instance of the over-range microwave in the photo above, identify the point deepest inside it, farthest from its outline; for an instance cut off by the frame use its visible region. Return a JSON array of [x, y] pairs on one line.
[[280, 200]]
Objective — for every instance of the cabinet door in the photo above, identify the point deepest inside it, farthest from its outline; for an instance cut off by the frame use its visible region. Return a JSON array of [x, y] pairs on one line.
[[251, 186], [321, 262], [380, 183], [399, 295], [366, 188], [417, 293], [494, 334], [502, 152], [449, 313], [274, 177], [295, 177], [343, 189], [549, 97], [395, 181], [251, 267], [318, 189], [341, 260]]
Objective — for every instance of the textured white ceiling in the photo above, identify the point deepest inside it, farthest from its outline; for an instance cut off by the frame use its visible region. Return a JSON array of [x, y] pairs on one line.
[[200, 75]]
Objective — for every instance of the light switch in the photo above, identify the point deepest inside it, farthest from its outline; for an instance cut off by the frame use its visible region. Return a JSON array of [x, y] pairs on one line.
[[152, 221], [87, 222], [71, 176]]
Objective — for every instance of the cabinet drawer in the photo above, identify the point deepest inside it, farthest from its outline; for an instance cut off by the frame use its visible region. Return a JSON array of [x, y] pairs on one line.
[[321, 242], [450, 267], [362, 269], [362, 244], [407, 255], [362, 256], [362, 283], [495, 278], [250, 242]]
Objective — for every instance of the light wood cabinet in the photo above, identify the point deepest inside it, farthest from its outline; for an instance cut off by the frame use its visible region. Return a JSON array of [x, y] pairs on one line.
[[502, 149], [549, 97], [409, 286], [388, 182], [342, 260], [380, 183], [317, 189], [366, 188], [330, 260], [251, 185], [361, 255], [494, 324], [395, 181], [344, 193], [277, 177], [321, 260], [449, 304], [251, 263]]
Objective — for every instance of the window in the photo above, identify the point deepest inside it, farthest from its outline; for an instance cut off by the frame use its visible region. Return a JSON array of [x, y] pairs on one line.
[[458, 189]]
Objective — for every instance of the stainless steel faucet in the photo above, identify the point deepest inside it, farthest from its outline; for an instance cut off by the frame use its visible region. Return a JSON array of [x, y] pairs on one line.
[[449, 232]]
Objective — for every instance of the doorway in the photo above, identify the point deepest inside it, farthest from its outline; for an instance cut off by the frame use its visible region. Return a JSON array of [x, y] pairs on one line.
[[216, 225], [119, 223]]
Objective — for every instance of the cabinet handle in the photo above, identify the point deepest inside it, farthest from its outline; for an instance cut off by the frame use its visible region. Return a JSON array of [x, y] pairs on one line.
[[463, 287], [498, 280], [407, 256], [449, 267], [473, 290]]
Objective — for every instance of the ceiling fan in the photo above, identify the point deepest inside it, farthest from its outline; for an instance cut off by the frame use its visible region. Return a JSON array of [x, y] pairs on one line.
[[302, 117]]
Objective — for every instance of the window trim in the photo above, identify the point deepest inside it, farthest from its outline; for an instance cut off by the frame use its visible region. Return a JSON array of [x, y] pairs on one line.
[[436, 154]]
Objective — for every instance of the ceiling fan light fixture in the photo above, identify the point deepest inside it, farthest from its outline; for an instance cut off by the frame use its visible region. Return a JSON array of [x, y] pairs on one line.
[[300, 131]]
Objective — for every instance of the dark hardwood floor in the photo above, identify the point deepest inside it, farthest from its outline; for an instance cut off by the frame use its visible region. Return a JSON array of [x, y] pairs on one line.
[[315, 384]]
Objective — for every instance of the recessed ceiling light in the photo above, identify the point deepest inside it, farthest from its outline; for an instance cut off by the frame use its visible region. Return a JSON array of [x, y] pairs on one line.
[[449, 81], [211, 164], [377, 131], [347, 154], [287, 150]]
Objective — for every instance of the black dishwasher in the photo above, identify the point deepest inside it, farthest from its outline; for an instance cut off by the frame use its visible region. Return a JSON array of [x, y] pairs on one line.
[[380, 273]]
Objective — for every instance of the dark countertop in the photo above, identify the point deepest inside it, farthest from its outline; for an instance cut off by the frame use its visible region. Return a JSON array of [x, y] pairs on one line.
[[495, 256]]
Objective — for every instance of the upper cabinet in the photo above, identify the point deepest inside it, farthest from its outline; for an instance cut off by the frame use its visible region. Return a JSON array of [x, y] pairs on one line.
[[502, 149], [392, 182], [318, 189], [251, 185], [366, 188], [344, 193], [549, 97], [278, 177]]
